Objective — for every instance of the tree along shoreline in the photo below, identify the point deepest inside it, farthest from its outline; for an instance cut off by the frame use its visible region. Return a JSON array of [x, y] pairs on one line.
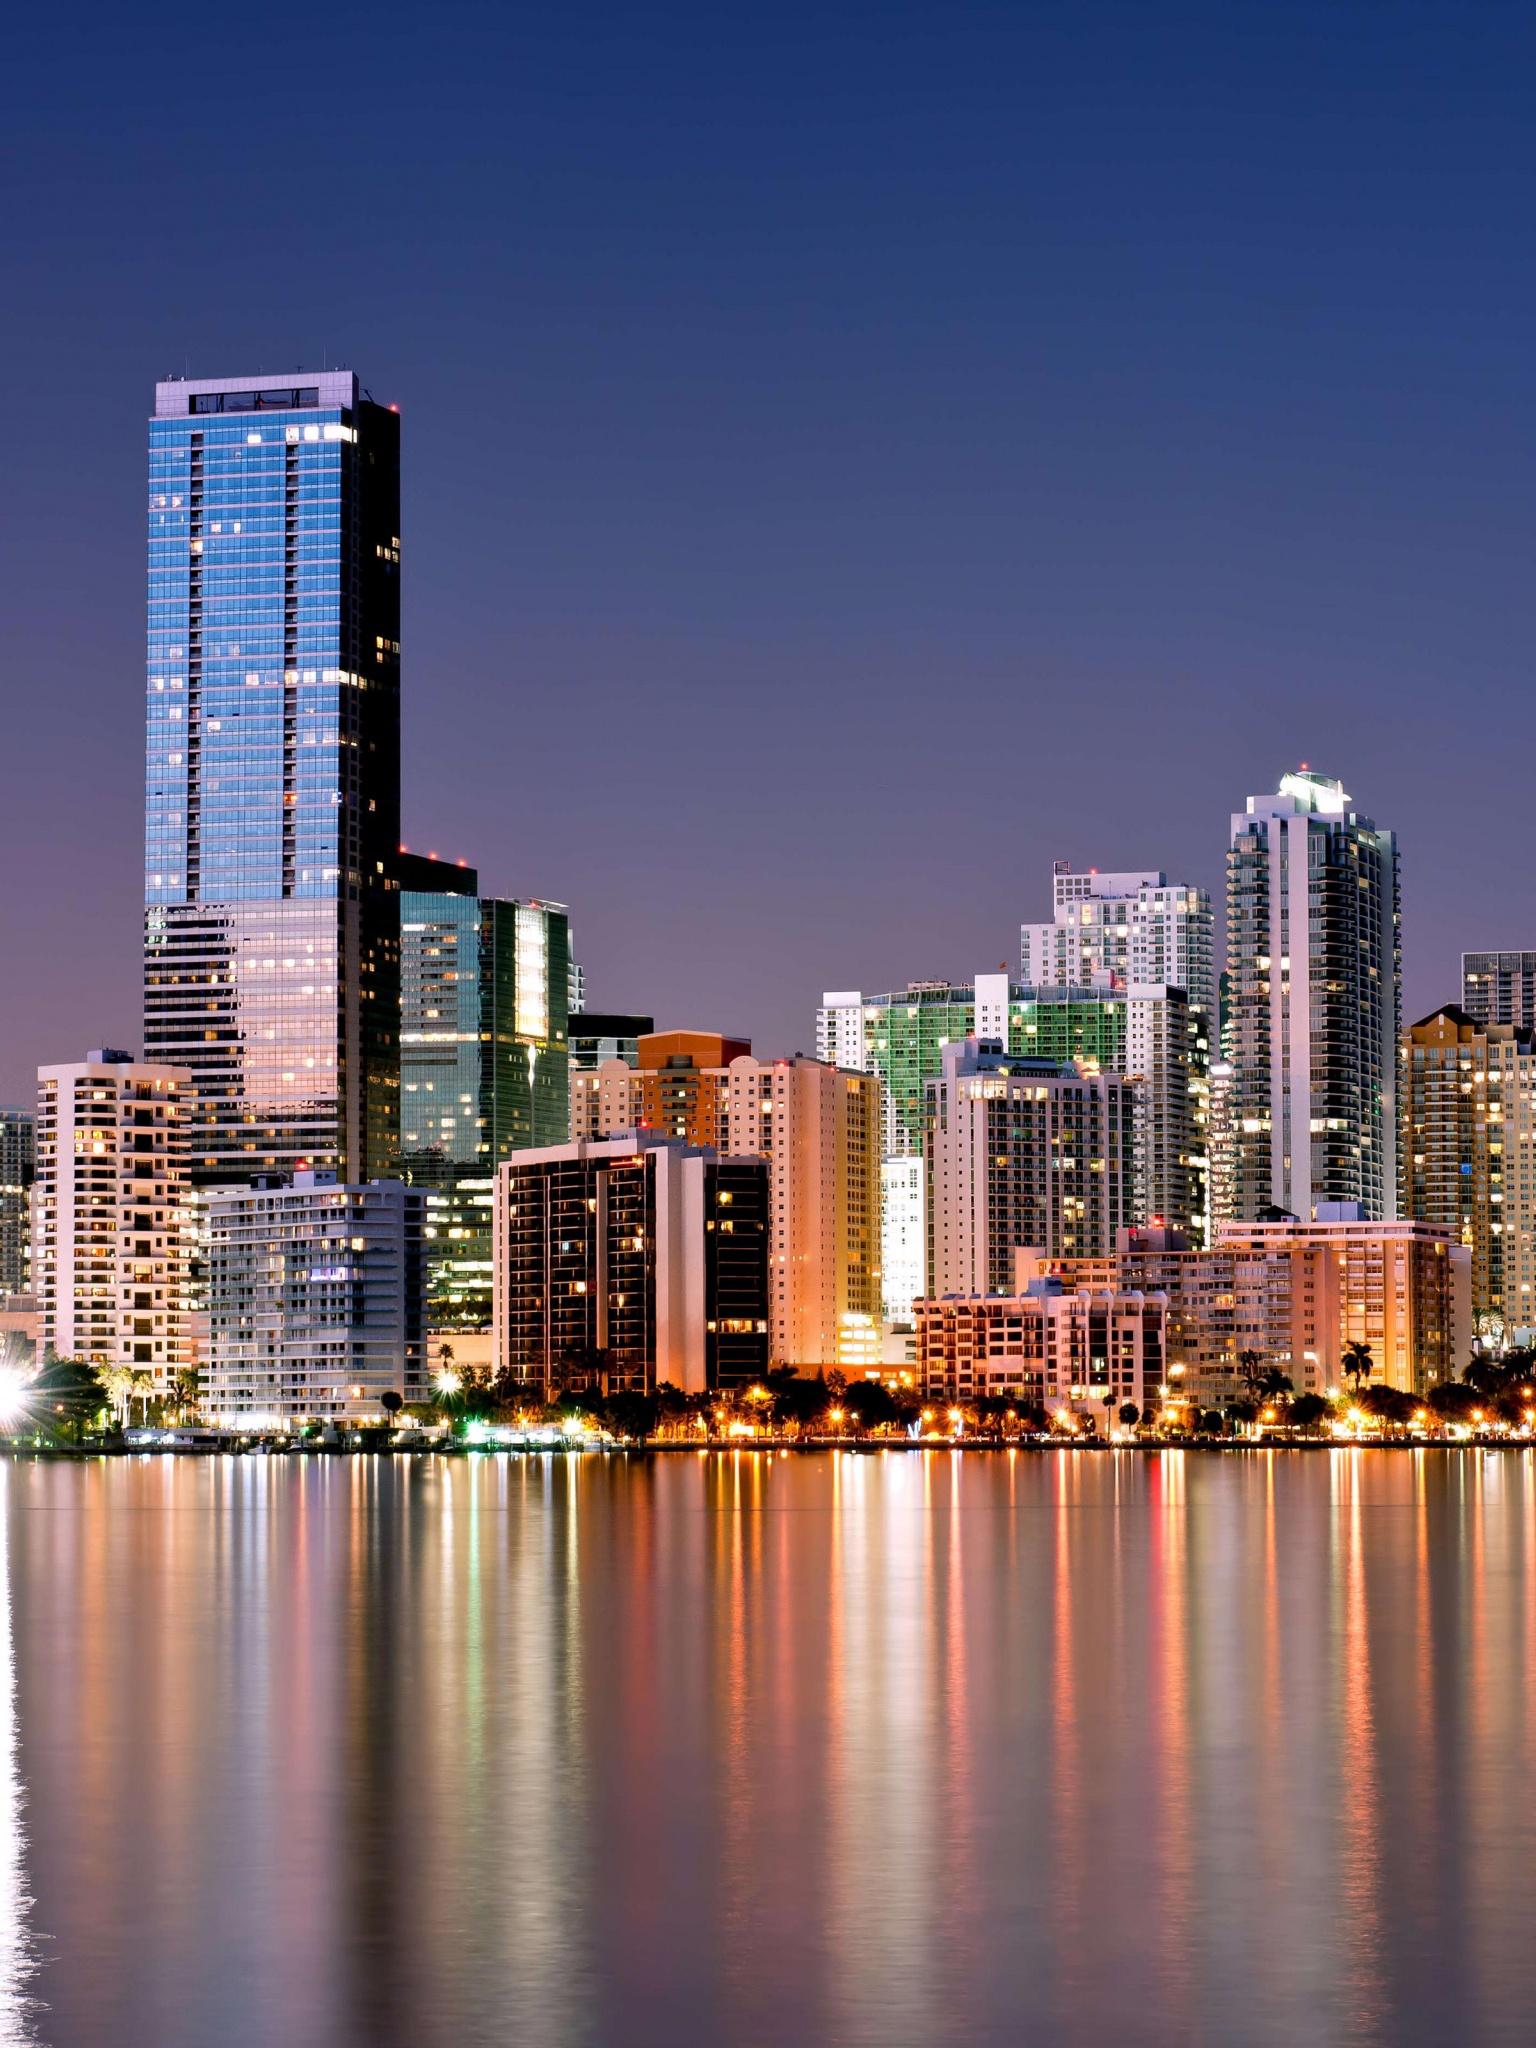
[[67, 1405]]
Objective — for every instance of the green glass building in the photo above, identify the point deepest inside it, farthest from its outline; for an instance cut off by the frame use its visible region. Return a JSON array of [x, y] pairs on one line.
[[905, 1033], [484, 986]]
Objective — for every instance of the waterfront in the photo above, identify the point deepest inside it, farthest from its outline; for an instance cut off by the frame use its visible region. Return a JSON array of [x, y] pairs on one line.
[[902, 1748]]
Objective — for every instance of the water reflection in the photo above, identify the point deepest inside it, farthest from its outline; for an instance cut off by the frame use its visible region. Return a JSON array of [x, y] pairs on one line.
[[900, 1748], [18, 1949]]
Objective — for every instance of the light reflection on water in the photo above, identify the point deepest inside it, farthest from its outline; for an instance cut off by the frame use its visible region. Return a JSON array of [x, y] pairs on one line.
[[18, 1948], [904, 1748]]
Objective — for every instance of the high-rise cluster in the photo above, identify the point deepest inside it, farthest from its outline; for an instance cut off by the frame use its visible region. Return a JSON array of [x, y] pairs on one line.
[[374, 1120], [343, 1041], [1266, 1153]]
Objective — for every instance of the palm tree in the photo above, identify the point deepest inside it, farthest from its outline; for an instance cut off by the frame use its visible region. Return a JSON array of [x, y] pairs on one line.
[[187, 1389], [119, 1383], [1250, 1368], [143, 1392], [1358, 1363]]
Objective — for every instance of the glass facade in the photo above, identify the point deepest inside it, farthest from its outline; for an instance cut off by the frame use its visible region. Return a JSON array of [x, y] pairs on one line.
[[17, 1147], [483, 1069], [596, 1036], [905, 1035], [272, 793]]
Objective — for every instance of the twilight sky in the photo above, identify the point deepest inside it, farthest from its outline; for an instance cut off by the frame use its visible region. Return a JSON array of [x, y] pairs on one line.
[[855, 455]]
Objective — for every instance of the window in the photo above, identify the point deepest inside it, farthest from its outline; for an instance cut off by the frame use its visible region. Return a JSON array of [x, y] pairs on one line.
[[285, 399]]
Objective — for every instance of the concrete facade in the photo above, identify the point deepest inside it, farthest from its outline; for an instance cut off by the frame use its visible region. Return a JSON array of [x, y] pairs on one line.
[[112, 1220]]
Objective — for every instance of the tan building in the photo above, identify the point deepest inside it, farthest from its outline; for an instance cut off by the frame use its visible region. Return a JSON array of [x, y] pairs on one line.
[[1468, 1091], [1081, 1349], [819, 1127], [678, 1088], [1299, 1294], [111, 1215]]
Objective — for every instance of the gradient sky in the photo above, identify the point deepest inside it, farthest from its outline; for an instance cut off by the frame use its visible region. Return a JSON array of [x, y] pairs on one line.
[[855, 455]]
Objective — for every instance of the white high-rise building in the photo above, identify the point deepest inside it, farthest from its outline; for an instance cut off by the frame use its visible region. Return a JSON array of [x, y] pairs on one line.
[[1024, 1152], [840, 1029], [1219, 1149], [903, 1233], [1110, 930], [1165, 1050], [1315, 981], [112, 1227]]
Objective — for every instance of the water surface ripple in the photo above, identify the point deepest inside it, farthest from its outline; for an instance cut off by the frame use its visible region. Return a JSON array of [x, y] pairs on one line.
[[903, 1748]]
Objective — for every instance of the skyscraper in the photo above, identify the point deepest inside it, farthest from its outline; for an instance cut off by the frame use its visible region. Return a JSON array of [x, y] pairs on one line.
[[272, 793], [901, 1036], [1469, 1154], [483, 990], [483, 1022], [112, 1227], [1137, 1028], [903, 1234], [1499, 988], [17, 1128], [1109, 930], [1314, 964], [1023, 1152], [625, 1262], [819, 1128]]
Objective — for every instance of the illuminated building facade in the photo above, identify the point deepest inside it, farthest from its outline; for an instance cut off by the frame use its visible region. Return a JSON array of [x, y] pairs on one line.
[[1109, 930], [112, 1218], [626, 1262], [596, 1038], [315, 1295], [1023, 1152], [1086, 1350], [1314, 968], [903, 1234], [819, 1129], [483, 1062], [17, 1154], [1299, 1294], [901, 1037], [272, 796], [482, 1030], [1469, 1155], [1499, 988]]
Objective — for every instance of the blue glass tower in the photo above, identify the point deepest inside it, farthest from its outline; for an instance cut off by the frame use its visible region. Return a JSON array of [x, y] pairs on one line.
[[272, 796]]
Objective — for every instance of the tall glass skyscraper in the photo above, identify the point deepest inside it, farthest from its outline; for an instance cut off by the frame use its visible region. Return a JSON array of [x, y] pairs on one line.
[[483, 1062], [272, 795]]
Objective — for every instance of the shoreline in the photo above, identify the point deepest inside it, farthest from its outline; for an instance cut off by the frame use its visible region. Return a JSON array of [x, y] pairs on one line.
[[774, 1447]]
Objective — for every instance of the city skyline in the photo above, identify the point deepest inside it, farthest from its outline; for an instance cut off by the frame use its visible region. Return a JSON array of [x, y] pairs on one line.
[[767, 1144], [740, 479]]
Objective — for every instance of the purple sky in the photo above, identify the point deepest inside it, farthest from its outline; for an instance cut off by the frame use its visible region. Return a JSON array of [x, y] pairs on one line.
[[854, 456]]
